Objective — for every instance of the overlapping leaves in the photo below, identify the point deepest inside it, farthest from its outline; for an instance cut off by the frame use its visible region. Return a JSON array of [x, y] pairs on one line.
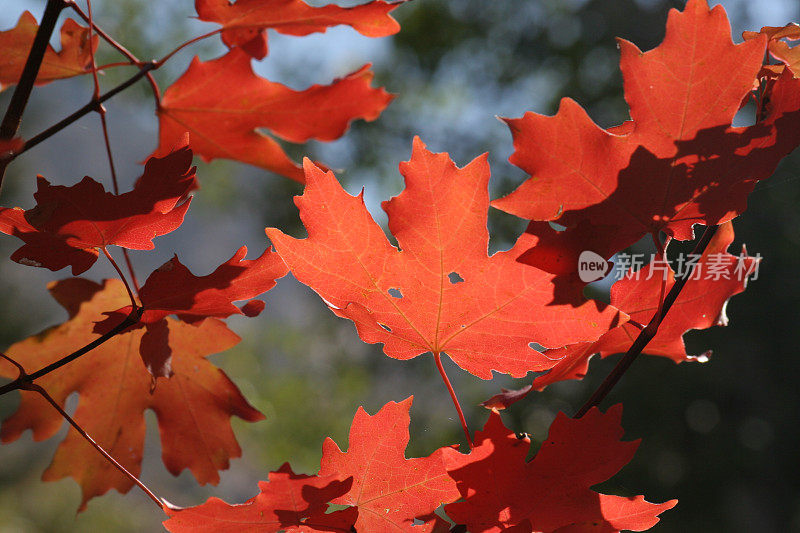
[[716, 276], [69, 225], [492, 488], [193, 407], [678, 162]]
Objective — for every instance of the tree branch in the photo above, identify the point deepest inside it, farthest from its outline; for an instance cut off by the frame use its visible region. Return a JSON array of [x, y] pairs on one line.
[[22, 92], [22, 381], [88, 108], [647, 334]]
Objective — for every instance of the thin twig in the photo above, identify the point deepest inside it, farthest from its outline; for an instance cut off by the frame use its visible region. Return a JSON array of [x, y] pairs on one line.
[[27, 384], [88, 108], [36, 388], [99, 31], [96, 94], [22, 92], [115, 64], [20, 368], [115, 184], [187, 43], [438, 359], [130, 320], [661, 248], [101, 110], [134, 305], [647, 334]]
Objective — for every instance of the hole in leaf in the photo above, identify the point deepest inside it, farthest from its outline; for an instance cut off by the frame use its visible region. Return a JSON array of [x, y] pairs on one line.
[[384, 326], [395, 292], [455, 278]]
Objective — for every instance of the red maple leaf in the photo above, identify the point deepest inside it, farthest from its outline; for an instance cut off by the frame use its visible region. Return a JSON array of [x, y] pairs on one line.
[[193, 407], [502, 491], [74, 58], [245, 22], [287, 502], [439, 292], [677, 163], [701, 304], [222, 103], [389, 490], [69, 224], [173, 290]]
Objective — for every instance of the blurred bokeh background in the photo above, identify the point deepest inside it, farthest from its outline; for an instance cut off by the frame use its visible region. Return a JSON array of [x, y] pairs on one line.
[[721, 437]]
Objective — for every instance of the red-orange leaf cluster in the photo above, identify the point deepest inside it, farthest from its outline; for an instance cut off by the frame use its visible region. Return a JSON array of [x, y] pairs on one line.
[[674, 165], [679, 161], [492, 488], [287, 502], [779, 47], [717, 276], [173, 290]]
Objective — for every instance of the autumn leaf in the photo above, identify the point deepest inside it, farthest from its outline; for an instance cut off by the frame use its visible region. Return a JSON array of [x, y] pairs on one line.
[[287, 502], [74, 59], [173, 290], [389, 490], [439, 292], [193, 407], [501, 490], [69, 224], [779, 47], [679, 161], [701, 304], [222, 104], [245, 22]]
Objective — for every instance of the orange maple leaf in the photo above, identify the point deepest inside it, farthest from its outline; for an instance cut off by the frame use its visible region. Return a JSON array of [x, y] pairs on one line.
[[193, 407], [74, 58]]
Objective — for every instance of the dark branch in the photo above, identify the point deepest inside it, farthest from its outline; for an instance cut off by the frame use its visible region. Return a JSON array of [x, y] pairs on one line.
[[22, 92], [647, 334], [23, 381], [88, 108]]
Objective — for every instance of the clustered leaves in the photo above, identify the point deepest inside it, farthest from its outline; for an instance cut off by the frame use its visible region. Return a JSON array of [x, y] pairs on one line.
[[677, 162]]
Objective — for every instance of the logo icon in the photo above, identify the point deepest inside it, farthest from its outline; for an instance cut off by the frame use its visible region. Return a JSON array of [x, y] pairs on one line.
[[592, 267]]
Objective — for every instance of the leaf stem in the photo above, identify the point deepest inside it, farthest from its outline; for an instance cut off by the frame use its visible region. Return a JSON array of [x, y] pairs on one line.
[[647, 334], [121, 49], [22, 92], [662, 253], [101, 110], [27, 384], [134, 305], [184, 45], [106, 37], [19, 383], [36, 388], [437, 357]]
